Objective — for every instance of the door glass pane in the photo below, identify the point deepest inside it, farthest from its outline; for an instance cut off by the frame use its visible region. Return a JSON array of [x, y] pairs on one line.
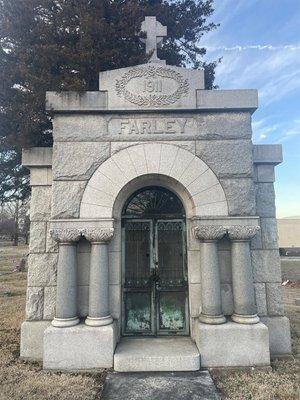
[[170, 253], [137, 253], [172, 311], [137, 312]]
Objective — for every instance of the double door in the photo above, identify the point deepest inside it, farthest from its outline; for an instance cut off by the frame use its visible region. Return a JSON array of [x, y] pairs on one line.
[[155, 286]]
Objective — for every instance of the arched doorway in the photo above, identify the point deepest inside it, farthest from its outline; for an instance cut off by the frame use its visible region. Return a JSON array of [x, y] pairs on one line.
[[154, 279]]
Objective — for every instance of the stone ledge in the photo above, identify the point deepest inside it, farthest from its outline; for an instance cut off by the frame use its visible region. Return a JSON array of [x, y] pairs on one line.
[[267, 154], [37, 157], [227, 100], [75, 101], [233, 345]]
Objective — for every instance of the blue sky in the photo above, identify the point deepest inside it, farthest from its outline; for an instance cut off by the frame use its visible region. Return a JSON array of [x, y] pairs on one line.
[[259, 41]]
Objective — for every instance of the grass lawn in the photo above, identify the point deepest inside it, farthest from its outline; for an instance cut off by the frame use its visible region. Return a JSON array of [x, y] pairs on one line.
[[27, 381]]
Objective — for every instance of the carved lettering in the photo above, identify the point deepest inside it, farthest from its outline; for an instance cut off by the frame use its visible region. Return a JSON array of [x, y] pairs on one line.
[[154, 126]]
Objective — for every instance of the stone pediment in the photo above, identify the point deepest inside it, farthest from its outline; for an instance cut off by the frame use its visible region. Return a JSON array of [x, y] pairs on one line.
[[151, 86]]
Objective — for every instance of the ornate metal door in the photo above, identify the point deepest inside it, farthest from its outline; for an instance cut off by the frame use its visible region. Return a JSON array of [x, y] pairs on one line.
[[155, 287]]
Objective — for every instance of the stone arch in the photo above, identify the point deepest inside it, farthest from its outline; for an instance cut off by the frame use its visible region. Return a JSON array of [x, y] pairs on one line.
[[203, 187]]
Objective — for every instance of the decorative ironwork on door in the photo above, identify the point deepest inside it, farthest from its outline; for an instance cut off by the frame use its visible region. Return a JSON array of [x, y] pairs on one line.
[[155, 287]]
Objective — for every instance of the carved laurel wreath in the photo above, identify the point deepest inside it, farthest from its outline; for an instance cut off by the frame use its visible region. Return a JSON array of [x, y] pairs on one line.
[[152, 99]]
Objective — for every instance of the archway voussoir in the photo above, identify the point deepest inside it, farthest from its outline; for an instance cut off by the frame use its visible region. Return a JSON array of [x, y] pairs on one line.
[[183, 161], [167, 158], [152, 153], [94, 211], [137, 156]]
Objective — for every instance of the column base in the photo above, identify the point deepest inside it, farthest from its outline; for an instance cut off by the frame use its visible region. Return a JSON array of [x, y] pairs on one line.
[[100, 321], [245, 319], [79, 347], [65, 322], [212, 319]]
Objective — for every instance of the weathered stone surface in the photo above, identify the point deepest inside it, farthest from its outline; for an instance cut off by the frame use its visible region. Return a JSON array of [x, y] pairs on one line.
[[40, 176], [195, 299], [266, 265], [49, 302], [64, 350], [66, 198], [34, 303], [233, 344], [76, 101], [114, 271], [194, 266], [40, 204], [240, 195], [196, 385], [42, 269], [32, 335], [80, 127], [265, 173], [260, 297], [37, 157], [83, 300], [156, 354], [269, 233], [265, 200], [70, 161], [188, 145], [115, 299], [267, 154], [280, 335], [51, 244], [274, 299], [37, 243], [221, 157], [83, 268], [227, 298], [227, 99]]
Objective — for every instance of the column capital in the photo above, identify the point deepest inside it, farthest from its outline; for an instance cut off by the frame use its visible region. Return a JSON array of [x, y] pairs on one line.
[[100, 235], [209, 232], [242, 232], [65, 235]]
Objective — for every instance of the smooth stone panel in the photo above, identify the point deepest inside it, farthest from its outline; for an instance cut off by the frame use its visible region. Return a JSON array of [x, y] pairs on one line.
[[40, 176], [156, 354], [37, 157], [246, 99], [267, 154], [32, 334], [265, 173], [280, 335], [233, 345], [79, 347], [76, 101]]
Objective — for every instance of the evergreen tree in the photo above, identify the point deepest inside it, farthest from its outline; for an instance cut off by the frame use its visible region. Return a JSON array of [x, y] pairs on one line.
[[62, 45]]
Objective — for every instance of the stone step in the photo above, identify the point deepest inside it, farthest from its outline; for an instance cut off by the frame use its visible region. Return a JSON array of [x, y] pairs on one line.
[[156, 354]]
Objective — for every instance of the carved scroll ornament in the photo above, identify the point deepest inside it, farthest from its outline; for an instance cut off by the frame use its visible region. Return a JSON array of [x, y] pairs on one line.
[[209, 232], [101, 235], [65, 235], [237, 232]]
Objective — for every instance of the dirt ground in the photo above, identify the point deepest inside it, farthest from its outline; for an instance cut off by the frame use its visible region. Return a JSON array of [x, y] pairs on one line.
[[20, 380]]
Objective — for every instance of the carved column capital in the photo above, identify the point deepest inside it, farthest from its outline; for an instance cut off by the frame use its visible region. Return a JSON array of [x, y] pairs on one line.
[[209, 232], [65, 235], [100, 235], [242, 233]]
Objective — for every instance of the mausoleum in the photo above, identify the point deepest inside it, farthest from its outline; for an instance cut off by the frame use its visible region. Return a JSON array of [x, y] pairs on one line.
[[153, 243]]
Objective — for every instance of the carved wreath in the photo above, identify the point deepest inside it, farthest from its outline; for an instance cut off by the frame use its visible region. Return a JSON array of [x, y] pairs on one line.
[[152, 99]]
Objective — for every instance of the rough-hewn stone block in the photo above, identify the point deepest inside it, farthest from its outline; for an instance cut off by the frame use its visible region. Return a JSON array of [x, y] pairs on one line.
[[265, 200], [260, 297], [34, 303], [40, 204], [67, 198], [37, 242], [42, 269], [266, 265], [49, 302], [240, 195], [221, 157], [51, 244], [274, 299], [269, 233], [70, 160]]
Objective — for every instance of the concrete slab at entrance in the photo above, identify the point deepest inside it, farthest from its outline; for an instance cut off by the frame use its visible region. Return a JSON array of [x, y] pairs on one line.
[[156, 354], [160, 386]]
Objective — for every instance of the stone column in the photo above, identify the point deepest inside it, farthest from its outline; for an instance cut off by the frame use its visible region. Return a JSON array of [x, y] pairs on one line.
[[245, 311], [98, 291], [66, 295], [210, 275]]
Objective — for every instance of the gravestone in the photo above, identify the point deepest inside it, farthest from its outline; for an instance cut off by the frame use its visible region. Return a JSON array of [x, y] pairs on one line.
[[153, 238]]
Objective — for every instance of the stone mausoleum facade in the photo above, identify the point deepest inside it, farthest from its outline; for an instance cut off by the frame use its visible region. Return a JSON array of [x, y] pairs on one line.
[[153, 240]]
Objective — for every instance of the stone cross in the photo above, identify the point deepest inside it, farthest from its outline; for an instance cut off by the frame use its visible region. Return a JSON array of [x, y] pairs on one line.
[[155, 33]]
